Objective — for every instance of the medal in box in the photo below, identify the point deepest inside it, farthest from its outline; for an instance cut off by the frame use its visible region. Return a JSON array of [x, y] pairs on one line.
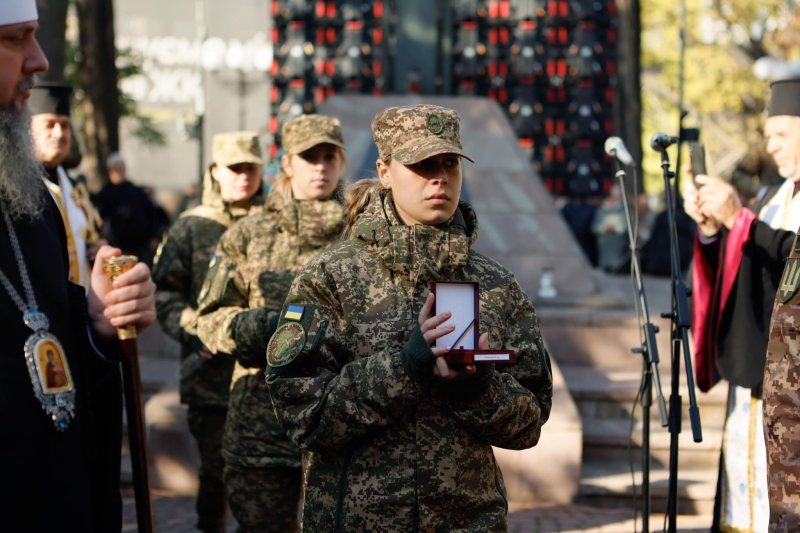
[[462, 299]]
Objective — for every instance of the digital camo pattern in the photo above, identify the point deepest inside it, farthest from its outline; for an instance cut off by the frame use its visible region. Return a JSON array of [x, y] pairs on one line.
[[782, 407], [235, 147], [265, 499], [179, 272], [207, 425], [307, 131], [257, 260], [388, 454], [411, 134]]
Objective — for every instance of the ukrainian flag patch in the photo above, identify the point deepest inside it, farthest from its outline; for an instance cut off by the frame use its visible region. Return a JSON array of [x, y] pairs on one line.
[[294, 312]]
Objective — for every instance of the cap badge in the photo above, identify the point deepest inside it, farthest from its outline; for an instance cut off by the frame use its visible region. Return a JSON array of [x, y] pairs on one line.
[[435, 124]]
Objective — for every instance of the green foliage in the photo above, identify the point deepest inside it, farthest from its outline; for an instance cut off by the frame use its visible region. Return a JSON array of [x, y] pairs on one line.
[[128, 66], [721, 94]]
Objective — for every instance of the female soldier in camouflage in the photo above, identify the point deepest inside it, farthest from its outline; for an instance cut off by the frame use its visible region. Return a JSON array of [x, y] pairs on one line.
[[231, 190], [399, 441], [255, 264]]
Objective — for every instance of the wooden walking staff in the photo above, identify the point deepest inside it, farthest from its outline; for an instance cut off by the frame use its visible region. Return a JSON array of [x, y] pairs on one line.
[[132, 379]]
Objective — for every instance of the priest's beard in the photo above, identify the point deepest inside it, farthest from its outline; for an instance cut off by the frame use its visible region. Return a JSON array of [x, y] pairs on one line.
[[22, 191]]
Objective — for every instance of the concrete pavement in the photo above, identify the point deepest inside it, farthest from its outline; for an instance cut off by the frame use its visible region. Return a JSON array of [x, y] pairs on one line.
[[176, 515]]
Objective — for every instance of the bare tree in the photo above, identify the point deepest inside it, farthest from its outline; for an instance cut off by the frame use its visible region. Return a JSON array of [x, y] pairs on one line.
[[52, 36], [98, 79]]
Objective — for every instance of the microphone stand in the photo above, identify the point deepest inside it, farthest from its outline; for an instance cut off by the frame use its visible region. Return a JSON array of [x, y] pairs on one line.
[[680, 323], [650, 360]]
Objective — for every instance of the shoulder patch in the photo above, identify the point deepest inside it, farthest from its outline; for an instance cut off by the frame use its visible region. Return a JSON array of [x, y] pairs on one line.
[[286, 344], [159, 251], [294, 312], [790, 281], [213, 266]]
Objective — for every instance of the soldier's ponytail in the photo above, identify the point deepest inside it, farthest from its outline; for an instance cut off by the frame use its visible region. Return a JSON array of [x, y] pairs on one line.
[[356, 197], [283, 184]]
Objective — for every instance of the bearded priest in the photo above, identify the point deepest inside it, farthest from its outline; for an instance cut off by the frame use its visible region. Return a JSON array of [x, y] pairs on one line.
[[60, 391]]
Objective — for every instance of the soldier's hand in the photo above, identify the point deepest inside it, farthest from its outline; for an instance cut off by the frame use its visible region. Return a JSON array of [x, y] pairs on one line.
[[443, 370], [130, 301], [430, 325]]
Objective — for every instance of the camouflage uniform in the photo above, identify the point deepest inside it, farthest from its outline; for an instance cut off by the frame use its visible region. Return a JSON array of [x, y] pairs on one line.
[[179, 271], [257, 260], [388, 452], [781, 403]]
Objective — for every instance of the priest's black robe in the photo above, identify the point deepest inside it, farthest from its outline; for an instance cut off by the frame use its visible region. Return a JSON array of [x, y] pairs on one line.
[[51, 480], [735, 281]]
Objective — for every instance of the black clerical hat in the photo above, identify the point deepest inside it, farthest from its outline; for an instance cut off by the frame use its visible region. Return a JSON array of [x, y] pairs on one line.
[[50, 97], [785, 98]]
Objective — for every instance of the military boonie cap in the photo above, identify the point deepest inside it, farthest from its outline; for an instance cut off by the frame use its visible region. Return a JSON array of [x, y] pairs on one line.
[[236, 147], [307, 131], [412, 134]]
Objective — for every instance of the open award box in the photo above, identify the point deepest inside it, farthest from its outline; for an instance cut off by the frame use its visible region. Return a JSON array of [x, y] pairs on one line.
[[462, 299]]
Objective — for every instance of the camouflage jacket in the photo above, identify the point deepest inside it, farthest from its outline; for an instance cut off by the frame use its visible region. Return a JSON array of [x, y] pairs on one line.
[[390, 454], [179, 270], [256, 261], [781, 402]]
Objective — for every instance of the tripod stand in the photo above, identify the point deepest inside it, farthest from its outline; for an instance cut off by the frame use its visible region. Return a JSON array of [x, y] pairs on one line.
[[649, 351]]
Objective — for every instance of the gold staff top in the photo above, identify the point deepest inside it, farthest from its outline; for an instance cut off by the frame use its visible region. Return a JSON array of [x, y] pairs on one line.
[[115, 267]]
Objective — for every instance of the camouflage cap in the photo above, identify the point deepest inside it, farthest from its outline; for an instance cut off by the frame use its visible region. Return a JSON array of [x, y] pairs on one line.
[[307, 131], [411, 134], [235, 147]]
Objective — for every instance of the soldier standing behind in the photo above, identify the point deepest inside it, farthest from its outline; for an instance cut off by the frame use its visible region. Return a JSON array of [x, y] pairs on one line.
[[399, 440], [232, 190], [255, 264]]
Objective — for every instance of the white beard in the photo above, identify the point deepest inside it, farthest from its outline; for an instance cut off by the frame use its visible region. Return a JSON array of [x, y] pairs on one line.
[[22, 191]]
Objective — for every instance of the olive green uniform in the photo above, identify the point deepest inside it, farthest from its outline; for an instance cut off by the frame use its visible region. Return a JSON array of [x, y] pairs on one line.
[[179, 271], [392, 447], [257, 260]]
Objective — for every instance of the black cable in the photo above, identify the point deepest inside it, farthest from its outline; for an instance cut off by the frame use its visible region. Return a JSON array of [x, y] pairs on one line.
[[642, 342], [630, 453]]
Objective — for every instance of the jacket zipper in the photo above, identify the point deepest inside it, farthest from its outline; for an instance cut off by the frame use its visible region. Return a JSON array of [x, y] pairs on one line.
[[339, 516], [497, 482]]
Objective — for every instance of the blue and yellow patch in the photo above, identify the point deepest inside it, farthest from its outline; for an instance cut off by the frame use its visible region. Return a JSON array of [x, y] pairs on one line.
[[294, 312]]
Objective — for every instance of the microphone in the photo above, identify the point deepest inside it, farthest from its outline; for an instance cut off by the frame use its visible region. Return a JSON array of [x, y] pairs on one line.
[[661, 141], [615, 147]]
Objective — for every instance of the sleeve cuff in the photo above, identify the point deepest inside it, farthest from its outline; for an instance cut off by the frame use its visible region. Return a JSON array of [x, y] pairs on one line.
[[707, 240], [417, 357], [106, 350], [467, 387]]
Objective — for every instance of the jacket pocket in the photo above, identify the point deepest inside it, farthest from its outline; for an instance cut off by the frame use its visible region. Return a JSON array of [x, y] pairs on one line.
[[498, 481], [341, 490]]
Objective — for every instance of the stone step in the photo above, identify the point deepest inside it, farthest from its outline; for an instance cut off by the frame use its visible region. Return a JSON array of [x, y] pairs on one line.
[[608, 484], [605, 398], [609, 440], [603, 394]]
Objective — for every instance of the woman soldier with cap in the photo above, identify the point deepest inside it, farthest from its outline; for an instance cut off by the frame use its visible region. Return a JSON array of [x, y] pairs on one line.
[[252, 271], [400, 440], [231, 190]]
